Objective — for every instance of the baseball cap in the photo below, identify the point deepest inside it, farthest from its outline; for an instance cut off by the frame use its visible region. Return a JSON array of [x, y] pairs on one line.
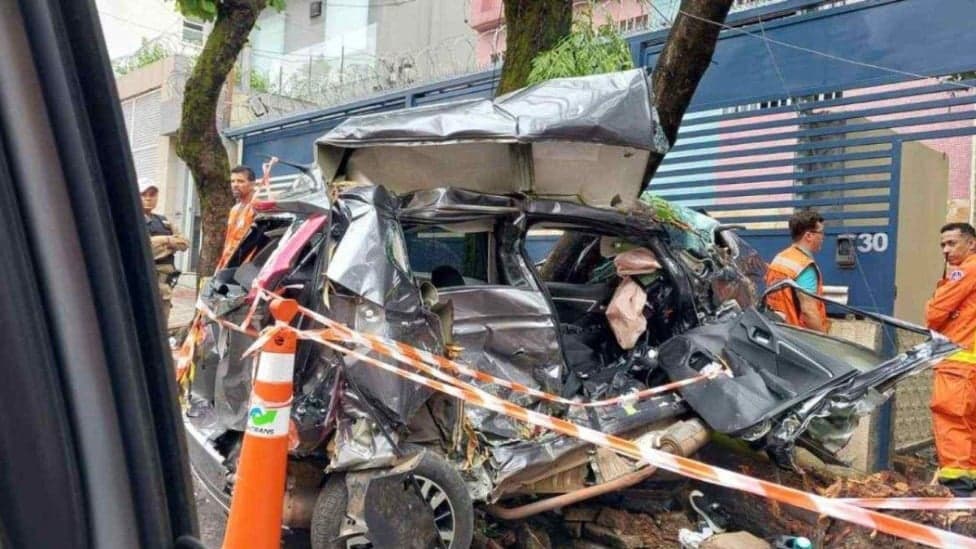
[[146, 184]]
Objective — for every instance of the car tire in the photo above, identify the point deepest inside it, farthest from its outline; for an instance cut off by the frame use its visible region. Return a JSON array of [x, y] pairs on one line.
[[454, 513]]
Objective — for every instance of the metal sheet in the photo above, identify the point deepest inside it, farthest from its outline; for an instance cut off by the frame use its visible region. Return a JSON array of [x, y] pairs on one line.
[[448, 205], [785, 378], [611, 109], [551, 139], [509, 333], [536, 455], [371, 257], [232, 391], [394, 395]]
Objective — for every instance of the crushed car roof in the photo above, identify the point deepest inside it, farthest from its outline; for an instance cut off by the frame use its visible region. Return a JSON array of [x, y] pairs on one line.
[[586, 139]]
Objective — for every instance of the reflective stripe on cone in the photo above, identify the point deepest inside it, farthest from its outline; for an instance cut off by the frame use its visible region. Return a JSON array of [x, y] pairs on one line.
[[259, 491]]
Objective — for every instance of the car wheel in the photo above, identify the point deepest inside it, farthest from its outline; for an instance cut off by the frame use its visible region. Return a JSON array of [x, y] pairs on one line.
[[441, 486]]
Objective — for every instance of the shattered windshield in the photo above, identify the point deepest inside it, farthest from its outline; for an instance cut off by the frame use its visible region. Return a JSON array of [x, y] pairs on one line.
[[732, 267], [689, 230]]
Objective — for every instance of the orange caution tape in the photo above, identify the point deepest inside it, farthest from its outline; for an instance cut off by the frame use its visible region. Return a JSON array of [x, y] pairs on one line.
[[687, 467], [914, 504], [429, 363], [424, 360], [835, 508]]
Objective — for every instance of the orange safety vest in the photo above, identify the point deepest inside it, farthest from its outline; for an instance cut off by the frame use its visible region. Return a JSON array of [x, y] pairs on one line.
[[952, 309], [238, 224], [788, 264]]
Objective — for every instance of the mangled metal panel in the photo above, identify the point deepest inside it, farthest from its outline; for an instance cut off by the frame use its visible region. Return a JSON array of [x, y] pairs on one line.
[[509, 333], [396, 396], [526, 458], [448, 205], [787, 379], [371, 257], [370, 262], [587, 139]]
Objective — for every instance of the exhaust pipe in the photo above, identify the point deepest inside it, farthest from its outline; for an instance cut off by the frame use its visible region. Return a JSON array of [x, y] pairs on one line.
[[683, 438]]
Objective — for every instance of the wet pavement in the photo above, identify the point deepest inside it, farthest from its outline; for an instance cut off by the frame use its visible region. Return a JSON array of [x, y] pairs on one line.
[[210, 517], [184, 299]]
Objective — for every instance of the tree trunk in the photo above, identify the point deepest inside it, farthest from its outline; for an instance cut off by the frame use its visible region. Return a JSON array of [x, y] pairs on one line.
[[681, 65], [531, 27], [198, 140]]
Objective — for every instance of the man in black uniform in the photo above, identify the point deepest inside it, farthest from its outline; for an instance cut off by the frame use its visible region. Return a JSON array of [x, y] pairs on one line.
[[165, 241]]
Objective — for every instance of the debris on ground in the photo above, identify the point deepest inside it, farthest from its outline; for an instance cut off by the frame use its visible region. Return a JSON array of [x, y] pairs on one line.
[[663, 512], [735, 540], [768, 519]]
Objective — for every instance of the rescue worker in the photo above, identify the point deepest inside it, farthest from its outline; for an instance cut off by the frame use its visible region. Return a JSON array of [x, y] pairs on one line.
[[241, 215], [165, 240], [797, 263], [952, 311]]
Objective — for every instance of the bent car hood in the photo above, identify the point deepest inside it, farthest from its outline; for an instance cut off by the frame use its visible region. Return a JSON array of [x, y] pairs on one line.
[[586, 139]]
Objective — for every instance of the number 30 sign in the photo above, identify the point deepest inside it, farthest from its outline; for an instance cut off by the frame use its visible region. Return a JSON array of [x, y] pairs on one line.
[[872, 242]]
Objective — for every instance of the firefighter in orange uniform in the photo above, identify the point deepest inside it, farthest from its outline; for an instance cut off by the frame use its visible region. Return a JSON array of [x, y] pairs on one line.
[[241, 215], [952, 311], [796, 263]]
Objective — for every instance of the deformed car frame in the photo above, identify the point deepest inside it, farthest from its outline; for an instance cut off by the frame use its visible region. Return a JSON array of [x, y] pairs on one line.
[[400, 238]]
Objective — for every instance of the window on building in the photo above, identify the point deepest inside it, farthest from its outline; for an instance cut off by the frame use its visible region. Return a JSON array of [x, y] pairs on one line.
[[633, 24], [784, 102], [193, 32]]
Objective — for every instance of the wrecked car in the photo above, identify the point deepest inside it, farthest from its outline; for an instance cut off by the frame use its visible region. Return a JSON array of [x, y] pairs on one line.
[[432, 226]]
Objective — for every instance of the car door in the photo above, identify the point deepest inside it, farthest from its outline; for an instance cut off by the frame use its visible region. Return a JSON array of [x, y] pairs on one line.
[[502, 320], [91, 449]]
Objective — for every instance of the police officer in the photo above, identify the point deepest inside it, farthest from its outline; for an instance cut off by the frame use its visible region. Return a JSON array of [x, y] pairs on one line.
[[165, 241]]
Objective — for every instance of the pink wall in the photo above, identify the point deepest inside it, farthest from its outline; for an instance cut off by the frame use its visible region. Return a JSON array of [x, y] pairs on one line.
[[487, 18], [959, 150]]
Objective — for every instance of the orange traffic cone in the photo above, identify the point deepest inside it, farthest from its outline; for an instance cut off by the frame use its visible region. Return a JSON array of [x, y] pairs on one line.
[[256, 506]]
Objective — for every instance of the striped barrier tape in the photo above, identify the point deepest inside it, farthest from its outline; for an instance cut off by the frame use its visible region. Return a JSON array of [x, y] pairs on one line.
[[427, 362], [848, 509], [914, 504], [421, 360], [424, 360], [687, 467]]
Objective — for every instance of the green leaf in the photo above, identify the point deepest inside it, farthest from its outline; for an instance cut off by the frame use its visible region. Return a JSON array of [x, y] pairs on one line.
[[586, 50], [204, 10]]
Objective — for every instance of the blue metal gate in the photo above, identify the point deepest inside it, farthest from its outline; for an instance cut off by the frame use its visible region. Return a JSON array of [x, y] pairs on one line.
[[806, 105], [810, 110]]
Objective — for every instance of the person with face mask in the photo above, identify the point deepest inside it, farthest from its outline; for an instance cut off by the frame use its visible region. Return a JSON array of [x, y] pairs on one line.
[[952, 311], [165, 240]]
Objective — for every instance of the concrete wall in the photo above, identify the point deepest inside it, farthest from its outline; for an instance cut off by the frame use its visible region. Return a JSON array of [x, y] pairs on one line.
[[921, 211], [167, 170], [414, 26]]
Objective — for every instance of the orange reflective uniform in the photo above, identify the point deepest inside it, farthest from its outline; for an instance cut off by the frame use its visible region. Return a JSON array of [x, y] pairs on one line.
[[238, 224], [952, 311], [788, 264]]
